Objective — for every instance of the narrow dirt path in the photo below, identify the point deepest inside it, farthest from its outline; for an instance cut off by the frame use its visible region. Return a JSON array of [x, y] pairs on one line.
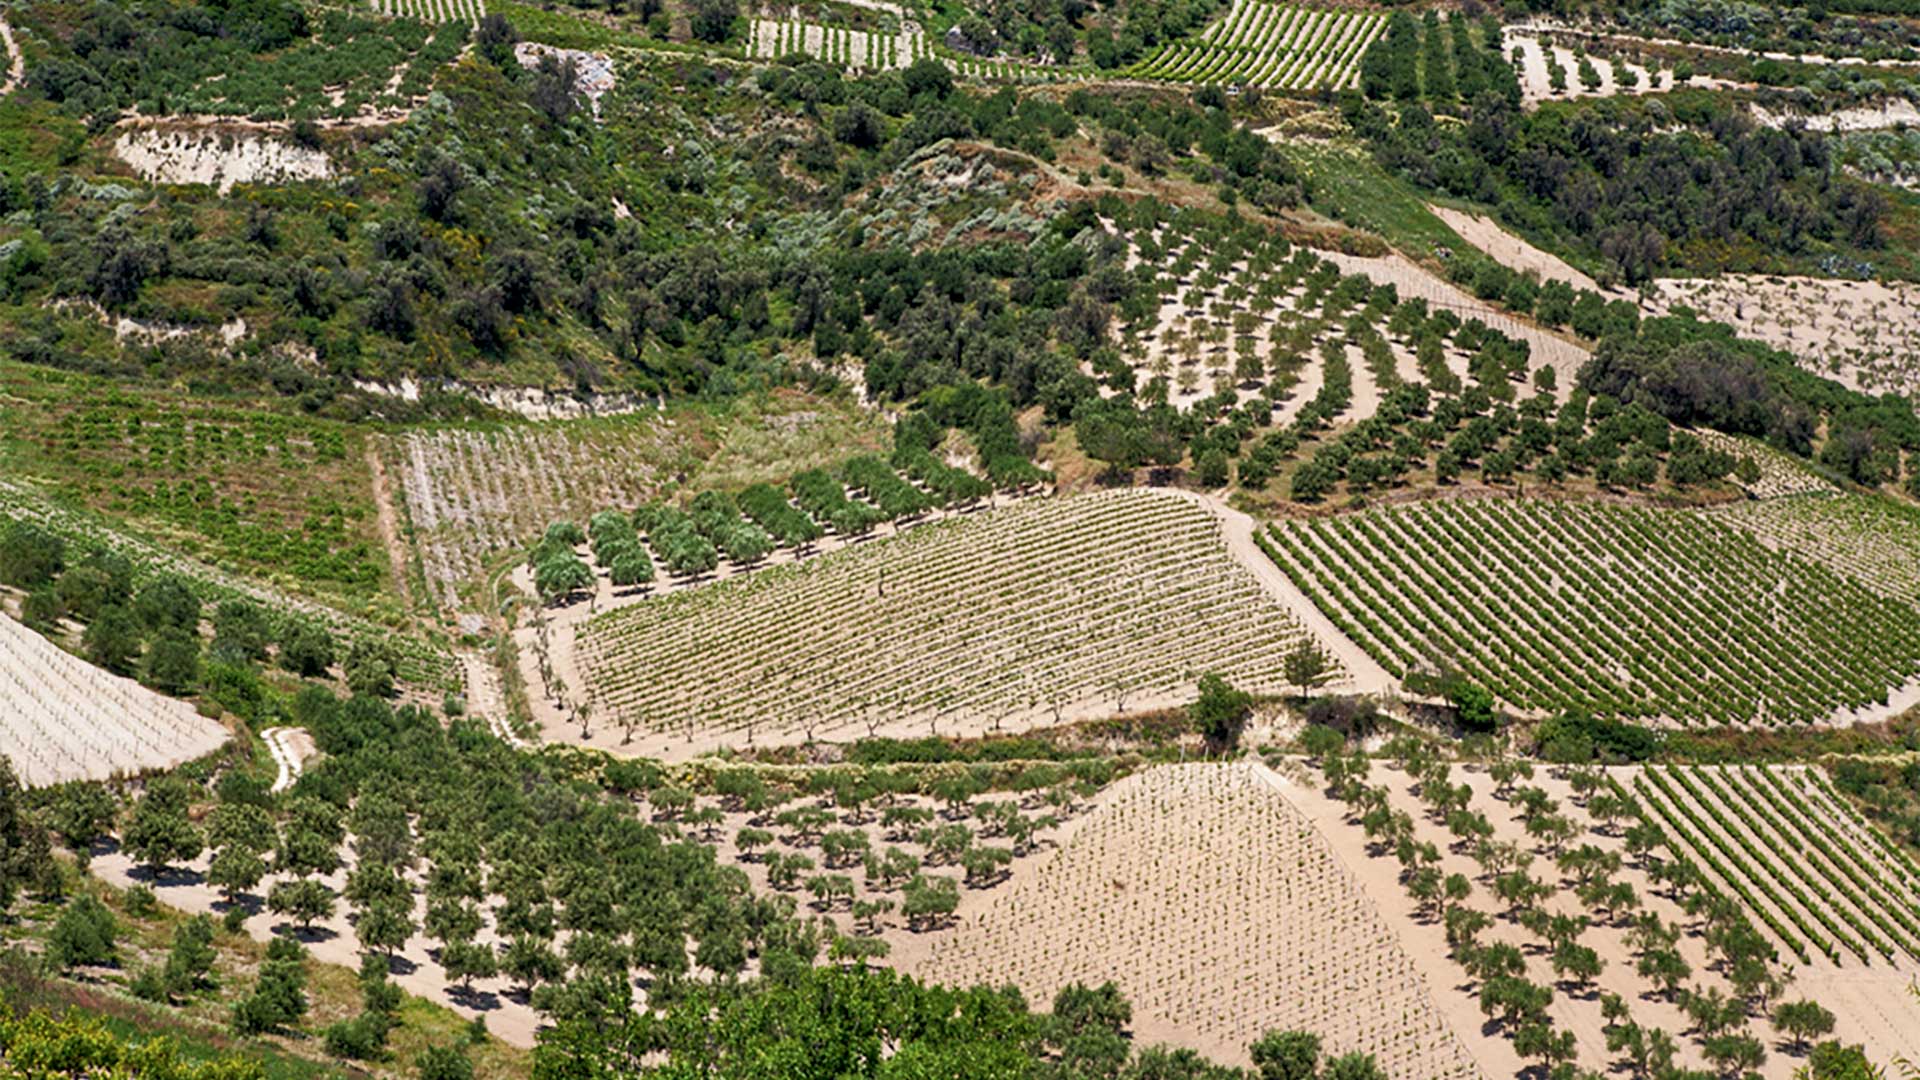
[[388, 522], [485, 699], [1364, 674], [16, 60], [290, 747]]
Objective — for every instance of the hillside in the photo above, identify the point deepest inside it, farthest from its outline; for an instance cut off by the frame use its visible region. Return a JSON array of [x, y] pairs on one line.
[[1153, 540]]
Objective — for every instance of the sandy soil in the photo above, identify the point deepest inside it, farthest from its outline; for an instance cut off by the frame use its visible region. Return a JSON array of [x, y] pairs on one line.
[[1413, 280], [63, 719], [16, 59], [485, 698], [1536, 83], [1862, 334], [1206, 895], [1894, 112], [555, 637], [222, 159], [1511, 251], [291, 748], [1871, 1003]]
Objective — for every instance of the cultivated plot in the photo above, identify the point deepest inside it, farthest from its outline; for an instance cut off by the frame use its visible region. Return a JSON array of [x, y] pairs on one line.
[[1047, 610], [1873, 541], [1272, 45], [63, 719], [1823, 883], [1221, 913], [1862, 334], [856, 50], [1560, 917], [1664, 617]]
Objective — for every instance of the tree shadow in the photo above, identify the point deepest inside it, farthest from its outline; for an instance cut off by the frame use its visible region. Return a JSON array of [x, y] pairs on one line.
[[310, 935], [474, 998], [247, 902], [166, 877]]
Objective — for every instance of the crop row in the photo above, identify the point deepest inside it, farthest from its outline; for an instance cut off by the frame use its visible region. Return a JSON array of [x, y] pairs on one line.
[[1772, 840], [1619, 611], [68, 720], [770, 39], [1041, 606], [1273, 45], [1680, 821]]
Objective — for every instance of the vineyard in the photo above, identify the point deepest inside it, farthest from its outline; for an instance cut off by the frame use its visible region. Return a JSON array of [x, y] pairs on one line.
[[258, 489], [1874, 541], [68, 720], [1221, 914], [1631, 613], [1822, 881], [985, 622], [433, 11], [1236, 322], [472, 494], [1567, 915], [1271, 45], [856, 50]]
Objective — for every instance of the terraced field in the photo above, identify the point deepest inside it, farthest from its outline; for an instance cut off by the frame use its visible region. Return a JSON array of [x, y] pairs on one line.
[[1050, 608], [65, 719], [1211, 900], [1661, 617], [434, 11], [1821, 881], [856, 50], [1278, 46], [1239, 320], [1873, 541]]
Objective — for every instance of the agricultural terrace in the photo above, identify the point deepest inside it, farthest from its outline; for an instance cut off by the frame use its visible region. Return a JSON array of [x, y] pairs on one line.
[[256, 489], [1220, 912], [1552, 72], [424, 671], [1863, 334], [1873, 541], [1236, 323], [474, 493], [1659, 616], [1557, 921], [856, 50], [433, 11], [68, 720], [1278, 46], [1049, 608], [1823, 884]]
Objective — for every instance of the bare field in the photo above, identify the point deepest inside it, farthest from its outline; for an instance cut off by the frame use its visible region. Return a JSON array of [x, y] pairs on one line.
[[1220, 912], [1511, 251]]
